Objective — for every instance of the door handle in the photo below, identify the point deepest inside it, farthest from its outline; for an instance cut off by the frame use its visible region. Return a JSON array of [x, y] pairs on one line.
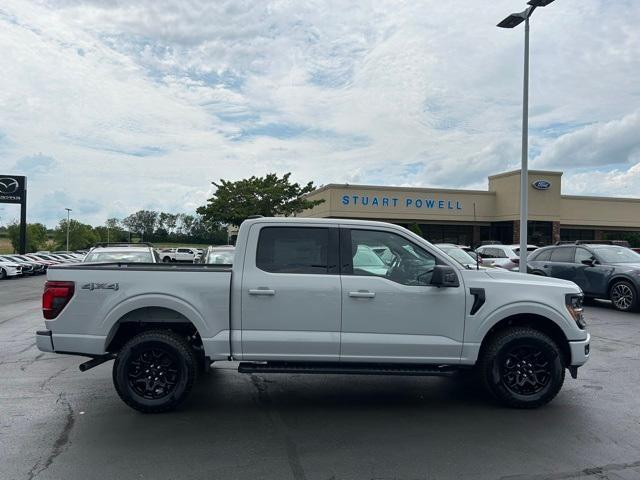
[[261, 291], [362, 294]]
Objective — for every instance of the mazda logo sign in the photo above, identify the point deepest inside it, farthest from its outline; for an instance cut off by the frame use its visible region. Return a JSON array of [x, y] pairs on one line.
[[541, 185], [8, 186]]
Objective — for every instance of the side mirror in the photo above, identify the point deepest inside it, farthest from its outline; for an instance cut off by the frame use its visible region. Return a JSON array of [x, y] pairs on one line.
[[588, 262], [444, 276]]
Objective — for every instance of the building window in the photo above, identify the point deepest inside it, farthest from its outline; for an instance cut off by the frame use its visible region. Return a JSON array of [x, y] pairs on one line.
[[573, 234]]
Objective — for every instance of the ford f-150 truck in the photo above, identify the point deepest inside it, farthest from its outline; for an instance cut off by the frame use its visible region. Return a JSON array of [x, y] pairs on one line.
[[300, 297]]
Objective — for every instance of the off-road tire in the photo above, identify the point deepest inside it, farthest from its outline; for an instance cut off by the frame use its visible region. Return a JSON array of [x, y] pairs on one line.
[[493, 365], [127, 364]]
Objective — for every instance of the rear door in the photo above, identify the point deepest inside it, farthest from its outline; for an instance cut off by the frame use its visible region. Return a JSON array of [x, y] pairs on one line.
[[390, 312], [562, 263], [291, 293]]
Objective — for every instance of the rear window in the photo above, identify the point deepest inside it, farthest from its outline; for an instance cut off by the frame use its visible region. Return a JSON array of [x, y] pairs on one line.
[[564, 254], [293, 250], [124, 257]]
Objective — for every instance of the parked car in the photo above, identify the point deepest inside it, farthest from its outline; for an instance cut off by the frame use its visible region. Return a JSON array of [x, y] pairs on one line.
[[47, 258], [297, 299], [459, 254], [122, 253], [503, 256], [609, 272], [40, 266], [28, 268], [181, 254], [222, 255], [9, 269]]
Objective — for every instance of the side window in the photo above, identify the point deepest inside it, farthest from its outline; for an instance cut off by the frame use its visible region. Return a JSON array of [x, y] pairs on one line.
[[583, 254], [181, 250], [486, 253], [542, 256], [500, 253], [295, 250], [563, 254], [388, 255]]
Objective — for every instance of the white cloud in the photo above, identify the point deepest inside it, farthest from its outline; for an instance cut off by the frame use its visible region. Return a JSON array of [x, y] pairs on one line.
[[142, 104]]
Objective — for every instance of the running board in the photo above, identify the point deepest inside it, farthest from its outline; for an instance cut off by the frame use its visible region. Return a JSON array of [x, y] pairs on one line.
[[347, 368]]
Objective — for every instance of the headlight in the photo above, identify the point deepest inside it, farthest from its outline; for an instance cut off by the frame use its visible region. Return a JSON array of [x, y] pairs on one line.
[[573, 301]]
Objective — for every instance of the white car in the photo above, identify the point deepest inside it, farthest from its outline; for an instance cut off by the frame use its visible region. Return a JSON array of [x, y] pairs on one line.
[[122, 253], [180, 254], [9, 269], [298, 300], [503, 256]]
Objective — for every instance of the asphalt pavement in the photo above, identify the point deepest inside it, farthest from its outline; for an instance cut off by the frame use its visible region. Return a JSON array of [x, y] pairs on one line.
[[59, 423]]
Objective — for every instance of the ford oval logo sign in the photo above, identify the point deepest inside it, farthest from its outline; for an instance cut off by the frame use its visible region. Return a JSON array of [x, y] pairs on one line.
[[541, 185]]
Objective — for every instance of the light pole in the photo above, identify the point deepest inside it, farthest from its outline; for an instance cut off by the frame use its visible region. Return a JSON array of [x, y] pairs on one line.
[[68, 212], [511, 21]]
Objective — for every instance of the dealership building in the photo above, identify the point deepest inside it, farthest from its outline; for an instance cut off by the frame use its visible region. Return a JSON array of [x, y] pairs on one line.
[[470, 217]]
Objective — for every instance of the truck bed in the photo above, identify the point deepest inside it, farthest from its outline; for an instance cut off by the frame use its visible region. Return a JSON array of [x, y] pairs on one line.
[[109, 294]]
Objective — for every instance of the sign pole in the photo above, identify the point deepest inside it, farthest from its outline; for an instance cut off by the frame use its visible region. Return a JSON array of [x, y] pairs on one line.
[[23, 221]]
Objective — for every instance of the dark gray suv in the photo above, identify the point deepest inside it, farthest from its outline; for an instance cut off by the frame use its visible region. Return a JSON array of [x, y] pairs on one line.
[[602, 271]]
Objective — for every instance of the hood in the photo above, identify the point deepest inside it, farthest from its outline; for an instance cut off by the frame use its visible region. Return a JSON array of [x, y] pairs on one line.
[[526, 278], [10, 264]]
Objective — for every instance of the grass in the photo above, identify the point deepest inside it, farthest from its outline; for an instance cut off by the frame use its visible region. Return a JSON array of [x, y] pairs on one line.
[[5, 245]]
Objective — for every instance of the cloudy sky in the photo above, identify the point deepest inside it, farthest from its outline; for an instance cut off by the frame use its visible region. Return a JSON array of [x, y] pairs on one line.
[[109, 107]]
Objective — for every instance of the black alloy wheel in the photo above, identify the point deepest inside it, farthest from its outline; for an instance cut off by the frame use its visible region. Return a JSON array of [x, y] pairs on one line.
[[522, 367], [525, 369], [155, 371]]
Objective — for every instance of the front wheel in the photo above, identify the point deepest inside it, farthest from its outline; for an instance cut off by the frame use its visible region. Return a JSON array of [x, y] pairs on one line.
[[155, 371], [522, 367], [3, 274], [166, 259], [623, 296]]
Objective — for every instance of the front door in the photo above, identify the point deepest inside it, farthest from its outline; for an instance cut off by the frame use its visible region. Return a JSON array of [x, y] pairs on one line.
[[390, 312], [291, 294]]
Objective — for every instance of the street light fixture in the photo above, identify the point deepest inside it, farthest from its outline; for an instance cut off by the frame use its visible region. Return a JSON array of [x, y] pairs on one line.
[[512, 21], [68, 212]]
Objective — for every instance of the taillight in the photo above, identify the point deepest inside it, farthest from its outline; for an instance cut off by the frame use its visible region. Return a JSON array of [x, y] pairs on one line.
[[56, 295], [515, 260]]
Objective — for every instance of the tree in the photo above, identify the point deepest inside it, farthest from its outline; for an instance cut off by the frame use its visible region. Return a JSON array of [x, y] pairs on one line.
[[142, 222], [36, 236], [81, 235], [269, 196]]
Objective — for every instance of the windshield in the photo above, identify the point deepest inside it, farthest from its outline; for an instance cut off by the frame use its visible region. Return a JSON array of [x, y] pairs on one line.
[[459, 255], [613, 254], [133, 257], [221, 257]]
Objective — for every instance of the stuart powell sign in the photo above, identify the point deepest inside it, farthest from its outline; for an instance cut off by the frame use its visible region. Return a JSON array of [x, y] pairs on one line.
[[385, 202]]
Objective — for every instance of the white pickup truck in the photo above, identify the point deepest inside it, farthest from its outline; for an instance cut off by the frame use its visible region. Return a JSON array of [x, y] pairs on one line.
[[298, 300]]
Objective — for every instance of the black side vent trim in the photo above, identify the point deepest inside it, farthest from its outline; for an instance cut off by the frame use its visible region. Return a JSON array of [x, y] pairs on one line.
[[478, 299]]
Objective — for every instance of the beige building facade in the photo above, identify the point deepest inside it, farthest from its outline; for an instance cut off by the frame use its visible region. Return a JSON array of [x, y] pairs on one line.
[[472, 216]]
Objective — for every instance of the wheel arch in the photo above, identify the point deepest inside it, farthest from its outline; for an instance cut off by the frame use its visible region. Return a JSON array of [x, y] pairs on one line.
[[618, 278], [151, 311], [534, 321]]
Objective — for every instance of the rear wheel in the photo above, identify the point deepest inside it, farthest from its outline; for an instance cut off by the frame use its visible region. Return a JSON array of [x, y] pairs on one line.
[[522, 367], [155, 371], [166, 259], [623, 296]]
